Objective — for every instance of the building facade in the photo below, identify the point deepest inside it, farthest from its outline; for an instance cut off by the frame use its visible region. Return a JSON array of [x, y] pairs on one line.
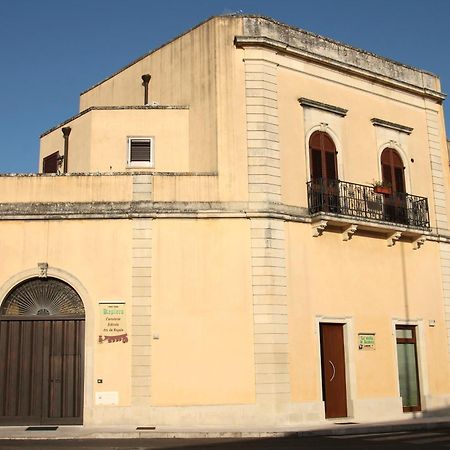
[[247, 226]]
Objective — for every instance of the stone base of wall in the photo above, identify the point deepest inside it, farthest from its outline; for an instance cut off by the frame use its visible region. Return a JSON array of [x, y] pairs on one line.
[[257, 417], [373, 409], [206, 417], [437, 405]]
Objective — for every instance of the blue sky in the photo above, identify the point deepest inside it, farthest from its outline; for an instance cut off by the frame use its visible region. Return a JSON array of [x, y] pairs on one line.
[[51, 50]]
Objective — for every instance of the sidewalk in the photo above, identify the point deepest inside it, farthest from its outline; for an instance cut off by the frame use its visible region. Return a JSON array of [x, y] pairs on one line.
[[322, 429]]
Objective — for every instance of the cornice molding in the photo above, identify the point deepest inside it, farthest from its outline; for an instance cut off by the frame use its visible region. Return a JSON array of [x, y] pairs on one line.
[[391, 125], [185, 210], [306, 102], [284, 48]]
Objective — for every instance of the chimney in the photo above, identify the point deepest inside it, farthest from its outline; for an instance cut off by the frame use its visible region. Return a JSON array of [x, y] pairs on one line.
[[145, 81], [66, 131]]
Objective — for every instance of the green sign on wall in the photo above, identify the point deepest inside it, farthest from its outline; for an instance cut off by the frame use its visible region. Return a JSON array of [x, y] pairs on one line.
[[366, 341]]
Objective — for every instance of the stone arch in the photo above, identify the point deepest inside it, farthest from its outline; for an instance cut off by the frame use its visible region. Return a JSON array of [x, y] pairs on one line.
[[43, 326], [42, 296], [325, 128]]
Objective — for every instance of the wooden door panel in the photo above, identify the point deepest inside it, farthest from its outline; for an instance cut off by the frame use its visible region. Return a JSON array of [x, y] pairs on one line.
[[36, 375], [25, 368], [65, 370], [19, 371], [41, 371], [54, 369], [333, 370]]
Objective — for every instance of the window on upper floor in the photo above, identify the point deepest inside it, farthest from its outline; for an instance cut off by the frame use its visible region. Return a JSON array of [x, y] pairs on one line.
[[324, 174], [322, 154], [50, 163], [140, 152], [393, 175], [393, 170]]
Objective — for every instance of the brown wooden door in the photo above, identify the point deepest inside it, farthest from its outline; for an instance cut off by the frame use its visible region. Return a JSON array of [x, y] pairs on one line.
[[41, 371], [333, 369]]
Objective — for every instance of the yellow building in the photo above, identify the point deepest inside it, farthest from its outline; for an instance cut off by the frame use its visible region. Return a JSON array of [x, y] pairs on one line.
[[247, 226]]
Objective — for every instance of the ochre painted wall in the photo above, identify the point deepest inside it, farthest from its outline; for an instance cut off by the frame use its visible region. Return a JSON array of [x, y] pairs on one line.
[[80, 144], [331, 278], [98, 141], [357, 143], [57, 188], [202, 313], [97, 255], [204, 71]]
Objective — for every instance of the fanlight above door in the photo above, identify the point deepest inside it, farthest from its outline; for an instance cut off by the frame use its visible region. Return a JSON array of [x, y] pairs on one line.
[[42, 297]]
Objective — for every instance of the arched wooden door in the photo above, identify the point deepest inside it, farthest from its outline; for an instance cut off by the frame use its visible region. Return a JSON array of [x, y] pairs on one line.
[[393, 173], [324, 172], [41, 354]]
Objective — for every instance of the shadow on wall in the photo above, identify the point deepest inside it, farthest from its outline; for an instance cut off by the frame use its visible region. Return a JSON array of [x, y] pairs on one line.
[[437, 412], [294, 441]]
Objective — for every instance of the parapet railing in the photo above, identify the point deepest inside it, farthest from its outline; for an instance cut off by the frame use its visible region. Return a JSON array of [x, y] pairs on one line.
[[364, 202]]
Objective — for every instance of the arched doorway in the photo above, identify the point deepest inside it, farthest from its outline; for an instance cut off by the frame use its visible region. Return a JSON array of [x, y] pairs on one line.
[[393, 175], [392, 170], [324, 193], [41, 354]]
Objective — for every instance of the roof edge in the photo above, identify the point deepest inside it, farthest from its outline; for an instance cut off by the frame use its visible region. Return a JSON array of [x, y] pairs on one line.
[[140, 58], [278, 23], [110, 108]]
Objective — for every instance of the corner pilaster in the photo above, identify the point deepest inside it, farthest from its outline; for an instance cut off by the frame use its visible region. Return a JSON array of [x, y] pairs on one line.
[[264, 175], [270, 311], [141, 305]]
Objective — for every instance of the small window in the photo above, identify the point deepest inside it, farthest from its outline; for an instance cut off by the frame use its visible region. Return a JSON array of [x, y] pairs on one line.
[[50, 163], [140, 152]]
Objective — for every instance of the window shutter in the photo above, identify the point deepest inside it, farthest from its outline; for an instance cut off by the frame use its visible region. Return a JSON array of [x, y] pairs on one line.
[[50, 163], [140, 150]]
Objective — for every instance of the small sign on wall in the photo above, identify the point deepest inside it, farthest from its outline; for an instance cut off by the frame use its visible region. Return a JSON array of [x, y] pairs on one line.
[[113, 327], [107, 398], [366, 341]]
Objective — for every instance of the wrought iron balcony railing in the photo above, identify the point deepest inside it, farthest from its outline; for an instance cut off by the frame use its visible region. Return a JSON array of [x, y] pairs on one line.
[[358, 200]]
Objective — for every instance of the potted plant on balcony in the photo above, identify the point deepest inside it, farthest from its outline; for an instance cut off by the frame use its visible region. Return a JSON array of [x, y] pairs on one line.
[[381, 187]]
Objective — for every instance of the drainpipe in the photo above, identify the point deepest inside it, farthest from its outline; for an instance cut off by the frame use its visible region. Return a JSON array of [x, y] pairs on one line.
[[66, 131], [145, 81]]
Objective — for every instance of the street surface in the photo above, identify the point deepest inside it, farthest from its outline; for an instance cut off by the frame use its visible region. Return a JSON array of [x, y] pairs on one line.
[[411, 440]]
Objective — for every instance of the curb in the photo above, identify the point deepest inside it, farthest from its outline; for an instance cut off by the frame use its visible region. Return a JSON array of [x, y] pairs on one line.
[[375, 428], [336, 430]]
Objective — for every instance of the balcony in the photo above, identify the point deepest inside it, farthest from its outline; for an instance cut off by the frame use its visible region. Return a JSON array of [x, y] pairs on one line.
[[344, 204]]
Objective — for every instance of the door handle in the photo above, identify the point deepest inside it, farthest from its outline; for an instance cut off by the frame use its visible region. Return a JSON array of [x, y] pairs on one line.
[[334, 371]]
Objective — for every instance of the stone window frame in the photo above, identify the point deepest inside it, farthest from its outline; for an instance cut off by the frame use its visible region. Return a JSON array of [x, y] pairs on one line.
[[141, 164]]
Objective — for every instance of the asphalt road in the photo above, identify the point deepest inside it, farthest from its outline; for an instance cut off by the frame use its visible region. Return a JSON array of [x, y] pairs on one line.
[[411, 440]]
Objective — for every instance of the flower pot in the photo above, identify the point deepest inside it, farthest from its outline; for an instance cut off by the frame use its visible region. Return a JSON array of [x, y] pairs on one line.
[[382, 190]]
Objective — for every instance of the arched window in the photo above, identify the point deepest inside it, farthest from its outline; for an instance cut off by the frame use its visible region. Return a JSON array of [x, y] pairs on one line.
[[393, 170], [323, 161], [393, 174], [324, 185], [42, 297]]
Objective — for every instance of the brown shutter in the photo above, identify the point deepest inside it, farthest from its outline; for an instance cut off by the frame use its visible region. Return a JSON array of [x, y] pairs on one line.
[[393, 169], [323, 159], [50, 163], [140, 150]]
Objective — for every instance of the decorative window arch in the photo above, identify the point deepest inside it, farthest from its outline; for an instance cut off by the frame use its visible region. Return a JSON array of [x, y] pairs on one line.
[[393, 169], [322, 156], [42, 297]]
